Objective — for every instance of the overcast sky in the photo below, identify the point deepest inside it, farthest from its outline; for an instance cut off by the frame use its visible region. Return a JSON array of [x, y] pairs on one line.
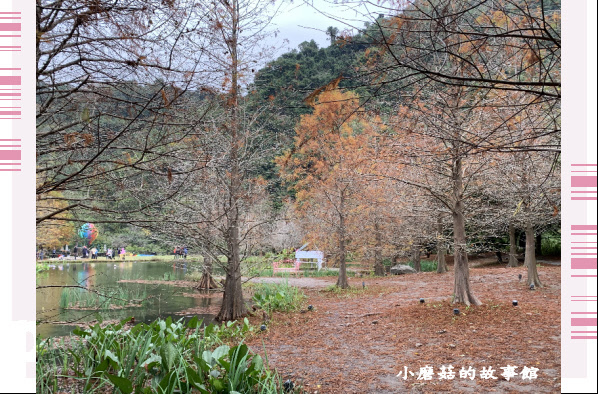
[[298, 21]]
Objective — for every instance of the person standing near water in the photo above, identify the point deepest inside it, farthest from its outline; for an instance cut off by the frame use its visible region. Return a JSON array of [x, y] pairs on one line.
[[122, 253], [75, 251]]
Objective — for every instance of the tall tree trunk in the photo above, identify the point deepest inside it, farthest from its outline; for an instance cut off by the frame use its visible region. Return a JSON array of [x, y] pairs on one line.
[[378, 267], [462, 290], [233, 305], [207, 281], [530, 257], [342, 281], [440, 249], [416, 256], [512, 247]]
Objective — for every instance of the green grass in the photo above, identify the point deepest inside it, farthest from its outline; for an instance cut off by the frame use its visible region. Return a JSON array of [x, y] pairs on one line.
[[324, 272], [307, 273], [344, 293], [194, 276], [279, 297], [426, 266], [120, 297], [162, 357], [42, 267], [41, 271]]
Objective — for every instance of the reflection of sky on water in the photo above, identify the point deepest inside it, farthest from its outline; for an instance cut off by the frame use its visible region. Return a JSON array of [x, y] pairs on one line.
[[166, 300]]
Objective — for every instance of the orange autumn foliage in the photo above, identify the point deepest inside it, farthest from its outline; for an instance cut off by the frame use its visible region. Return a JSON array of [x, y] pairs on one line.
[[328, 166]]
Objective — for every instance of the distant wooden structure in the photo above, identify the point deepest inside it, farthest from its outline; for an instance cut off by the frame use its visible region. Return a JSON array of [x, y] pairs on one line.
[[302, 255]]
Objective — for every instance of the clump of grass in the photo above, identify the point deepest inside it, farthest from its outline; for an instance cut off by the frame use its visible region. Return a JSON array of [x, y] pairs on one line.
[[325, 272], [166, 277], [130, 276], [267, 272], [426, 265], [194, 276], [349, 290], [278, 297], [64, 301], [260, 272], [75, 298], [41, 267], [307, 273]]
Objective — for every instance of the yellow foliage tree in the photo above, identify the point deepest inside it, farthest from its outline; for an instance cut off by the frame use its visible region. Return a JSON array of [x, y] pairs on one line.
[[326, 165], [53, 233]]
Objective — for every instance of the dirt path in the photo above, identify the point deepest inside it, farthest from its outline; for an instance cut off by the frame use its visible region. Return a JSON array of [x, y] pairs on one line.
[[359, 341]]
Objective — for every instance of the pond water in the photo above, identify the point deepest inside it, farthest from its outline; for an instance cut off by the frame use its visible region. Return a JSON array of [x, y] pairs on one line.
[[164, 300]]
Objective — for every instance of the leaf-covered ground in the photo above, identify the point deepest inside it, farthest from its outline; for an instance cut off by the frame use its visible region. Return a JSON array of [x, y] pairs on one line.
[[358, 341]]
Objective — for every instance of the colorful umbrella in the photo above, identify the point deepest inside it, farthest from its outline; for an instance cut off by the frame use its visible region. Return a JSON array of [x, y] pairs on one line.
[[88, 232]]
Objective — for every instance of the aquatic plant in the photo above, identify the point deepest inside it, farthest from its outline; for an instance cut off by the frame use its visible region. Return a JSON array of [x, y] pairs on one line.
[[122, 297], [164, 356]]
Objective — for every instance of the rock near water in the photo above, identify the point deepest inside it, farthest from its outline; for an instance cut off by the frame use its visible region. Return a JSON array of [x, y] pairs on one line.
[[401, 269]]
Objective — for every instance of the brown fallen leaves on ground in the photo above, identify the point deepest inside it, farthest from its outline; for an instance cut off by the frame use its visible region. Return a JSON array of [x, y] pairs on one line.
[[357, 342]]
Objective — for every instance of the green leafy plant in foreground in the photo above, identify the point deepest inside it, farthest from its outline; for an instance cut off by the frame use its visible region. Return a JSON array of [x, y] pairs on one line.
[[162, 357], [278, 297]]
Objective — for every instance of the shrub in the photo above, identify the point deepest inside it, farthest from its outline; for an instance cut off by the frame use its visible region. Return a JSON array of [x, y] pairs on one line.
[[278, 297], [426, 266], [551, 244]]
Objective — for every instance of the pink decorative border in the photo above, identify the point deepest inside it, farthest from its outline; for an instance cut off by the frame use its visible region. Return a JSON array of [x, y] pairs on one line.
[[17, 101], [578, 251], [17, 171]]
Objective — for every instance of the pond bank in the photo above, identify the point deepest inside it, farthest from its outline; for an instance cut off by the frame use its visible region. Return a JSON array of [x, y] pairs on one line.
[[134, 259]]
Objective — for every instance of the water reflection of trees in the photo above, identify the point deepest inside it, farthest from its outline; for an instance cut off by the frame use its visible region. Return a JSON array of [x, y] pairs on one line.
[[103, 278]]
